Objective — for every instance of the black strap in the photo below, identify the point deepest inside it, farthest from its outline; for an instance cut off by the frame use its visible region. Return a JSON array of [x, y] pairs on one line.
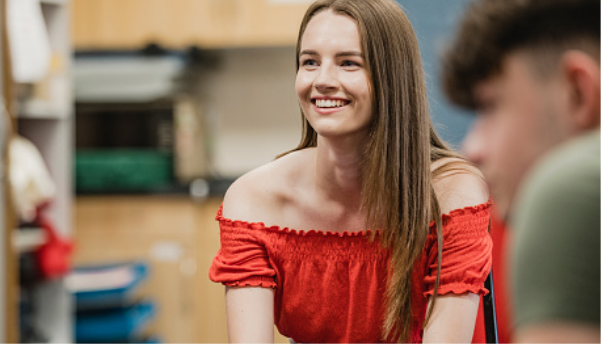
[[490, 313]]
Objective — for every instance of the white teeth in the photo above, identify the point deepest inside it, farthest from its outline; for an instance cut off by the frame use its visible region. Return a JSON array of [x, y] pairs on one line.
[[327, 103]]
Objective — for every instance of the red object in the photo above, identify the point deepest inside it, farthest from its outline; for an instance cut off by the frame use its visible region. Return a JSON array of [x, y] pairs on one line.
[[54, 254], [330, 286]]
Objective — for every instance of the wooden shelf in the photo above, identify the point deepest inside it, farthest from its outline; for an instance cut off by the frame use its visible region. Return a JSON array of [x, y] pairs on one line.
[[40, 109]]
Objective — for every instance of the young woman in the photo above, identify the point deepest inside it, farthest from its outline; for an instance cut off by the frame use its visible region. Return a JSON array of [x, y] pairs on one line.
[[339, 239]]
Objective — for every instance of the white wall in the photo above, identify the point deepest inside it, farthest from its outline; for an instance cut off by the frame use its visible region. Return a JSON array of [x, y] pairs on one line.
[[251, 104]]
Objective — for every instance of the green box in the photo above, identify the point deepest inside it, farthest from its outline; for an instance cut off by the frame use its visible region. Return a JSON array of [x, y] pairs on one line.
[[113, 170]]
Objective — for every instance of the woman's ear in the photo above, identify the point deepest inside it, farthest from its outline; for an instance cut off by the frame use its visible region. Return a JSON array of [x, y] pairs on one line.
[[581, 72]]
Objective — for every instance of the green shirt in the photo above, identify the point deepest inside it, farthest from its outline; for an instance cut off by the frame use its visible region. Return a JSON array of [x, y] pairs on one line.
[[555, 253]]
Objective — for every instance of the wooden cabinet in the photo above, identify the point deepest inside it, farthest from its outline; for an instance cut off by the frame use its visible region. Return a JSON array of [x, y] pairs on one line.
[[178, 238], [260, 22], [132, 24]]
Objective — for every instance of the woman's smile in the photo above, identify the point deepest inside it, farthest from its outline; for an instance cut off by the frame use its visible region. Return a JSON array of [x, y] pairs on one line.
[[326, 106]]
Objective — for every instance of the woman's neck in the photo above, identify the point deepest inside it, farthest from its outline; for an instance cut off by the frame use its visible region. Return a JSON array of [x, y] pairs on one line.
[[338, 171]]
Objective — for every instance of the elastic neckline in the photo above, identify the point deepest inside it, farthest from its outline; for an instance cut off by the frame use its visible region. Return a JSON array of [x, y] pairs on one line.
[[260, 225]]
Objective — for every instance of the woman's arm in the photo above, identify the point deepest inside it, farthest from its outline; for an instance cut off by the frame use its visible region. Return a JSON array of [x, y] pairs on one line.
[[249, 314], [454, 315], [453, 319]]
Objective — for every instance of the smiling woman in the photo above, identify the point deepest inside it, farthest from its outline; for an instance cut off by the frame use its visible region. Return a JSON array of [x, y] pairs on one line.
[[371, 229], [332, 82]]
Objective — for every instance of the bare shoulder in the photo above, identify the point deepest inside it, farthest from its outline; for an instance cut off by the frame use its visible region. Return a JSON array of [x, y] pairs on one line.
[[248, 193], [258, 194], [459, 184]]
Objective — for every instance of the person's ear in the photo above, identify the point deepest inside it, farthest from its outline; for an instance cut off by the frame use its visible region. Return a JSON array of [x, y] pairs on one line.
[[581, 71]]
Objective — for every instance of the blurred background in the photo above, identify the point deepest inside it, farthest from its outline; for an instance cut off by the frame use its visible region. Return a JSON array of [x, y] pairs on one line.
[[124, 122]]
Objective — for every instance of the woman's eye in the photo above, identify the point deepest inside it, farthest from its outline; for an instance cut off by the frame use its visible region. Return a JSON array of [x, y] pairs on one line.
[[309, 62], [348, 63]]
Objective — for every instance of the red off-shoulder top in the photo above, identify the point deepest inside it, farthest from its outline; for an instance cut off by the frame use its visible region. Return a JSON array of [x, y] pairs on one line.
[[330, 287]]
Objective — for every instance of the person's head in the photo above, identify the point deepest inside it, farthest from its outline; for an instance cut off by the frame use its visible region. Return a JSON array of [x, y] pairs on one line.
[[392, 66], [530, 69], [332, 81]]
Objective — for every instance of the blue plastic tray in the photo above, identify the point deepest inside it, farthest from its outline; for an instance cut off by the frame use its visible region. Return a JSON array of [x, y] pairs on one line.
[[104, 297], [120, 325]]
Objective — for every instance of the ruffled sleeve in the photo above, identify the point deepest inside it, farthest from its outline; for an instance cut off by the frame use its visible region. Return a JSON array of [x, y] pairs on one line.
[[242, 259], [466, 252]]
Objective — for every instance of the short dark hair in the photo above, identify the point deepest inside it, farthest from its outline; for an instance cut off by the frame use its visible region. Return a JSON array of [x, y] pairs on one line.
[[493, 29]]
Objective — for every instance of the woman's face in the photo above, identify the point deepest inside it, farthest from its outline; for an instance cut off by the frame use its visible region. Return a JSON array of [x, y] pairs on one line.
[[332, 83]]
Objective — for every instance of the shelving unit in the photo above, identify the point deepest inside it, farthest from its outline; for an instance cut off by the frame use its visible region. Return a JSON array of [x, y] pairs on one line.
[[7, 323], [44, 115], [8, 266]]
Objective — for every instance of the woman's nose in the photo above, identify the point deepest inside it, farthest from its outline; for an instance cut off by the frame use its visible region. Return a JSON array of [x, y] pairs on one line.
[[326, 79]]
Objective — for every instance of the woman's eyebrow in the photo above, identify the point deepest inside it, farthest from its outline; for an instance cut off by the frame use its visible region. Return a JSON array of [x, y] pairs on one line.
[[349, 53], [308, 52], [339, 54]]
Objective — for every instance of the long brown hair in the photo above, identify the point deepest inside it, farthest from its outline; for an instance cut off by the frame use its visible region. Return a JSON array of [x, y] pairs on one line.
[[397, 190]]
